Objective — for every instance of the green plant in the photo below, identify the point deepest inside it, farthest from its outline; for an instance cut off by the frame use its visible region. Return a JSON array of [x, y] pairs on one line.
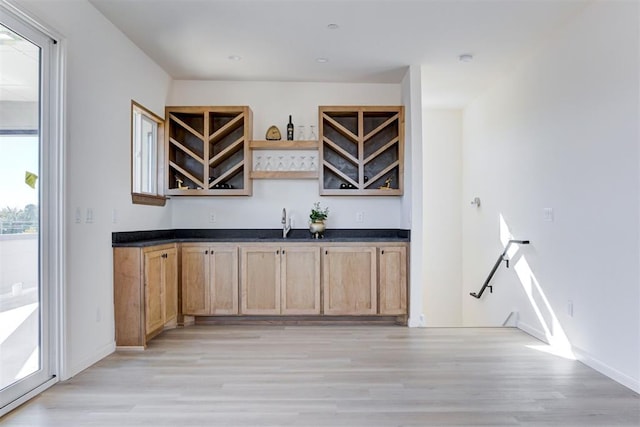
[[317, 213]]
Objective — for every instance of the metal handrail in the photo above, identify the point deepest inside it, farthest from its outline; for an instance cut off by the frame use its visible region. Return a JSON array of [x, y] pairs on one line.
[[495, 267]]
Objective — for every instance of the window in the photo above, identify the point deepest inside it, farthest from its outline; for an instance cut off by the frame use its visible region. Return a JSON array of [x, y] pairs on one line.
[[146, 147]]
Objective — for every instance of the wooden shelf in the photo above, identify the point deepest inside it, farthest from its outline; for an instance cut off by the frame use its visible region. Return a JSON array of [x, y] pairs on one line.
[[283, 145], [357, 192], [284, 175], [212, 192]]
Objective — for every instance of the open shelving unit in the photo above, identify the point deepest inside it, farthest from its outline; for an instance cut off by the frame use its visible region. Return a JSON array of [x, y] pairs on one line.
[[283, 145], [361, 148], [207, 151]]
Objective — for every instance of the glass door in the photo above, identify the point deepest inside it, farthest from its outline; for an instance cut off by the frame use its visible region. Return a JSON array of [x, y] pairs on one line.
[[25, 296]]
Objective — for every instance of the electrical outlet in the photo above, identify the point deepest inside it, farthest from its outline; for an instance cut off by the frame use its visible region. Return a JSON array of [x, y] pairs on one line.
[[78, 215], [212, 216], [360, 216], [570, 308], [548, 214], [89, 216]]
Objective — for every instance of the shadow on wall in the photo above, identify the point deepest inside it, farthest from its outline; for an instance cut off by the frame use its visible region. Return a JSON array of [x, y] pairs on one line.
[[555, 336]]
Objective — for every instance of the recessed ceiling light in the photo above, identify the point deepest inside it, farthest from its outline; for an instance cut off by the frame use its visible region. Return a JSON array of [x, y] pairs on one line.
[[322, 60], [465, 57], [333, 26], [234, 58]]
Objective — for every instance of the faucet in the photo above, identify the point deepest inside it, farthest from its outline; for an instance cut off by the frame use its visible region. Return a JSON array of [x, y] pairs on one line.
[[286, 223]]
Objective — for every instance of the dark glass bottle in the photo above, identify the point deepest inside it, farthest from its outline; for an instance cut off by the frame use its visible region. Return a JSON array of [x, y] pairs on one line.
[[290, 130]]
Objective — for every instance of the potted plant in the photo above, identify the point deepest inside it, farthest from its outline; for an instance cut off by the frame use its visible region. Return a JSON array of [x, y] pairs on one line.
[[317, 217]]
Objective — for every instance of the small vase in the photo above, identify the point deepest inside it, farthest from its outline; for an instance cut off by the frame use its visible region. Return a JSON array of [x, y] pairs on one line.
[[317, 229]]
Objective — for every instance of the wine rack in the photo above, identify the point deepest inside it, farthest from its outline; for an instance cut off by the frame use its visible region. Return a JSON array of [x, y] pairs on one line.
[[361, 150], [207, 151]]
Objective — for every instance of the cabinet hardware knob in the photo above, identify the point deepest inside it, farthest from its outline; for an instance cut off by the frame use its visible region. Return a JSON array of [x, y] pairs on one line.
[[283, 252], [382, 252], [278, 252], [326, 252], [206, 252]]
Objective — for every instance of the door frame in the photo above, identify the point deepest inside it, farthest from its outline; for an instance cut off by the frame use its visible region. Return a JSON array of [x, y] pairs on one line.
[[51, 199]]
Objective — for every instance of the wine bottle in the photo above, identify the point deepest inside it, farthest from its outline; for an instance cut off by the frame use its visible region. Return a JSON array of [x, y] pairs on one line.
[[290, 130]]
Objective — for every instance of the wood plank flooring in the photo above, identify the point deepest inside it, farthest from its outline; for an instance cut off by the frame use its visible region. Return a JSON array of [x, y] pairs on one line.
[[334, 376]]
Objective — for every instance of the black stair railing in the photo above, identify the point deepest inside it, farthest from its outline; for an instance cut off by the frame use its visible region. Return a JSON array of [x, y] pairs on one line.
[[502, 257]]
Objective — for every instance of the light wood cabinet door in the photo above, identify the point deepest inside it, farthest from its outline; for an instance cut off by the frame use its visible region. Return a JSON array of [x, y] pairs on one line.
[[300, 285], [260, 280], [196, 295], [170, 286], [392, 263], [153, 292], [209, 280], [145, 282], [224, 279], [349, 280]]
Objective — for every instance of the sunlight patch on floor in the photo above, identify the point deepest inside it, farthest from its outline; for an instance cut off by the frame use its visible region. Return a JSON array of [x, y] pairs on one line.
[[566, 353]]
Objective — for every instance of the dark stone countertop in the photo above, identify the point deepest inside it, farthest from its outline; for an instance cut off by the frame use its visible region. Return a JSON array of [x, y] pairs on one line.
[[159, 237]]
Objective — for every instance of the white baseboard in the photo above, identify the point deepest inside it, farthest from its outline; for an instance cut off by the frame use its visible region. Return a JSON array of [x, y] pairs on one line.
[[413, 323], [588, 359], [607, 370], [534, 332], [100, 354], [130, 348]]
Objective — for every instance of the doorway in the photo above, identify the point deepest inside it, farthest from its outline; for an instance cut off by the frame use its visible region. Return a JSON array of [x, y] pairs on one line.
[[29, 206]]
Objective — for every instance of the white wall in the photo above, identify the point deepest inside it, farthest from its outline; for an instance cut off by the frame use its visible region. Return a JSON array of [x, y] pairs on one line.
[[412, 215], [562, 132], [442, 189], [272, 103], [104, 71]]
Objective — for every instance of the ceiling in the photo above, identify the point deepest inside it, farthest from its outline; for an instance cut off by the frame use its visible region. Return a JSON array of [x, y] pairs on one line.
[[374, 42]]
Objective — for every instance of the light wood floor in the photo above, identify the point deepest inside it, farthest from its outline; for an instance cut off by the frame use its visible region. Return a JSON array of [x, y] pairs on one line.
[[334, 376]]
